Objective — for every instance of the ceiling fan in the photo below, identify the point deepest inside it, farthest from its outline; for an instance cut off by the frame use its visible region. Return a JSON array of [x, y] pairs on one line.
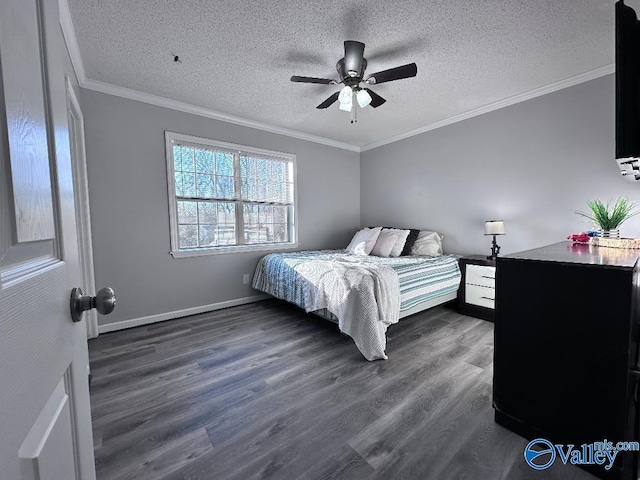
[[351, 70]]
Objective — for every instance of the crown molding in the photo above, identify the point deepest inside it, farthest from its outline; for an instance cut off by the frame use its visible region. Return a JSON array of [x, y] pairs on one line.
[[69, 34], [205, 112], [521, 97]]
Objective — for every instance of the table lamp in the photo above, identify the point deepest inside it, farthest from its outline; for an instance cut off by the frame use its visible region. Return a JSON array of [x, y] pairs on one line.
[[494, 227]]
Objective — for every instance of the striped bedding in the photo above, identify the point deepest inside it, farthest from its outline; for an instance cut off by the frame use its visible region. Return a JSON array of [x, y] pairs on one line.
[[425, 278], [420, 279]]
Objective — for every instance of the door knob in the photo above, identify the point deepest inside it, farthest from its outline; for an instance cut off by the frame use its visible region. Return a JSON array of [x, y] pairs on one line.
[[104, 302]]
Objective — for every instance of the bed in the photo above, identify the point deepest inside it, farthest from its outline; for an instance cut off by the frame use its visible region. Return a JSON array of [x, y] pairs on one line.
[[363, 294]]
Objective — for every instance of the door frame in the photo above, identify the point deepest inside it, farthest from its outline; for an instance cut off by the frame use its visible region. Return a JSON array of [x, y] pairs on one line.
[[81, 197]]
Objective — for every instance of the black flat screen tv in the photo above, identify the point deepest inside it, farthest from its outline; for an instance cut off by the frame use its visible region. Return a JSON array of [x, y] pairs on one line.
[[627, 84]]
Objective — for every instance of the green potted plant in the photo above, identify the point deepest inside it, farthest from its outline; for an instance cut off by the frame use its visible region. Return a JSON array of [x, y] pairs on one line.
[[607, 217]]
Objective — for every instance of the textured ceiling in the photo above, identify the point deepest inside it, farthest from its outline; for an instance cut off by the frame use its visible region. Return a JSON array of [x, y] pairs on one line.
[[236, 56]]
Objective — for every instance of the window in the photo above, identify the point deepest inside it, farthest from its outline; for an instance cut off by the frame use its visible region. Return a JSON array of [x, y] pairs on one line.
[[226, 197]]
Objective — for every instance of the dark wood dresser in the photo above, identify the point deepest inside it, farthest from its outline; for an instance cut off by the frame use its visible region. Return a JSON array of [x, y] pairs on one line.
[[566, 347]]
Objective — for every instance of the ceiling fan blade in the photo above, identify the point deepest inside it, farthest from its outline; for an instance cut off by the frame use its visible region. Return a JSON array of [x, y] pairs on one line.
[[405, 71], [325, 81], [353, 57], [376, 100], [329, 101]]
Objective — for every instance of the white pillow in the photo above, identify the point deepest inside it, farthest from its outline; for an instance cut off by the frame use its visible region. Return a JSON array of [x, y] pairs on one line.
[[399, 245], [385, 242], [428, 243], [363, 241]]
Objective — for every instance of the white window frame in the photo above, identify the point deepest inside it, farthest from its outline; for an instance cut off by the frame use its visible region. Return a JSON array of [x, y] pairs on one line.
[[170, 139]]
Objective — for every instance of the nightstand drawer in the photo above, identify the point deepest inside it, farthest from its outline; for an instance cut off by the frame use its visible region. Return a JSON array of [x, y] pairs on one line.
[[481, 275], [481, 296]]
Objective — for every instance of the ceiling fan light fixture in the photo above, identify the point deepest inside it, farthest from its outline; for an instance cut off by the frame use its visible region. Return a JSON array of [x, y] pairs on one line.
[[345, 95], [345, 106], [364, 98], [351, 70]]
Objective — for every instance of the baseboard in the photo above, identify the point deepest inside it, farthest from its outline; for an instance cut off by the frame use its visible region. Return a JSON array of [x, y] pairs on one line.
[[161, 317]]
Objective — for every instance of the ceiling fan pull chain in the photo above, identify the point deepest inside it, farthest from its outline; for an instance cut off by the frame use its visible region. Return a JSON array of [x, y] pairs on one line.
[[354, 114]]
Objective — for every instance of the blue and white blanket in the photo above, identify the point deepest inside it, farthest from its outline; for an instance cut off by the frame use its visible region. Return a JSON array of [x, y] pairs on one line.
[[365, 293]]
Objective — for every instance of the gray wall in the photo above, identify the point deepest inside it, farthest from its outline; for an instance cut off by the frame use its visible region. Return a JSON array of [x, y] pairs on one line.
[[129, 206], [531, 164]]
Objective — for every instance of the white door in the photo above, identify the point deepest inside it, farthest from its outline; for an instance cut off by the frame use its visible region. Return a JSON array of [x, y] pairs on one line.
[[45, 418]]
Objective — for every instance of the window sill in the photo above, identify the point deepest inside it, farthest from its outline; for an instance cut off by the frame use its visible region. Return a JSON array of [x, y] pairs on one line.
[[200, 252]]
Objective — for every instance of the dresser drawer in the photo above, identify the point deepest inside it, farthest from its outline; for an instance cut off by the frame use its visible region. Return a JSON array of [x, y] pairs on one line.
[[482, 275], [481, 296]]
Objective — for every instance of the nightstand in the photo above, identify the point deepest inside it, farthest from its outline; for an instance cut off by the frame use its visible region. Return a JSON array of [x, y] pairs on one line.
[[476, 296]]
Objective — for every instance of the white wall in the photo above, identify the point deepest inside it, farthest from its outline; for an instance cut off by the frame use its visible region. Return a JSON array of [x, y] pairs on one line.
[[129, 206], [531, 164]]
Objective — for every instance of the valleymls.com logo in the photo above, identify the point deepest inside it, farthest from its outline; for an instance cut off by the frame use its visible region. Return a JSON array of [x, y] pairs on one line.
[[541, 458], [541, 453]]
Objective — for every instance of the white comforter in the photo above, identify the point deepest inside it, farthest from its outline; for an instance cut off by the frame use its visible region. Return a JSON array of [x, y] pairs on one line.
[[364, 297]]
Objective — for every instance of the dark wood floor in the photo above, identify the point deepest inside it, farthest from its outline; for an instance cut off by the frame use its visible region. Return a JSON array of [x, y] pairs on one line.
[[267, 391]]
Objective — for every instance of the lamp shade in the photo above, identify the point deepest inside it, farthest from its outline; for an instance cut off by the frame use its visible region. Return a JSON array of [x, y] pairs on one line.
[[494, 227], [346, 95], [364, 98], [346, 99], [345, 106]]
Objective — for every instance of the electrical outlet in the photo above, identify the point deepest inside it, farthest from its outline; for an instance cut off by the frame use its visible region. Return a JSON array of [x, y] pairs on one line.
[[245, 278]]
